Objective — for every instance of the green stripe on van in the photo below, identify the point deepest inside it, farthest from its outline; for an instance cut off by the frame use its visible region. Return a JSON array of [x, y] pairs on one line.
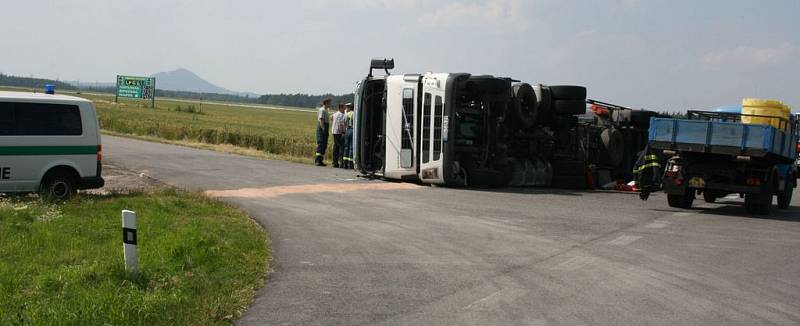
[[48, 150]]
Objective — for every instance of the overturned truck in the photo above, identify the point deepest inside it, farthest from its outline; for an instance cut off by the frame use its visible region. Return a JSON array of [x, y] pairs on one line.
[[459, 129]]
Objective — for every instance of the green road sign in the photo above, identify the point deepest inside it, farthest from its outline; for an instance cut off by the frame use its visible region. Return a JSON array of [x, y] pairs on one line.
[[136, 87]]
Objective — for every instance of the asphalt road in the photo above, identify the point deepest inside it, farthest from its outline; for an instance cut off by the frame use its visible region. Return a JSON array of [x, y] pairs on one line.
[[352, 252]]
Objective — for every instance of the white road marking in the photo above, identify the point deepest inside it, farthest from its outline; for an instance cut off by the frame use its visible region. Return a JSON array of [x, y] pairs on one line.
[[624, 240], [681, 214], [732, 196], [658, 224]]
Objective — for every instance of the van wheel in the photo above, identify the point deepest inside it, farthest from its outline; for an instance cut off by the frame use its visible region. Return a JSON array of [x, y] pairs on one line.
[[58, 187]]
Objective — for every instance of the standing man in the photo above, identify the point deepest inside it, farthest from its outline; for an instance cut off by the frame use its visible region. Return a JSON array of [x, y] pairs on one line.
[[322, 132], [348, 138], [339, 125]]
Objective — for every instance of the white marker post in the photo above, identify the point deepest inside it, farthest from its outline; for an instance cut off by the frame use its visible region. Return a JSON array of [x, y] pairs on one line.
[[129, 243]]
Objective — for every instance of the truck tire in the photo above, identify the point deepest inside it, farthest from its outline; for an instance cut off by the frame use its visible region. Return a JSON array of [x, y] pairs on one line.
[[761, 203], [570, 107], [524, 108], [758, 203], [545, 103], [785, 197], [58, 186], [682, 201], [613, 146], [709, 196], [568, 92]]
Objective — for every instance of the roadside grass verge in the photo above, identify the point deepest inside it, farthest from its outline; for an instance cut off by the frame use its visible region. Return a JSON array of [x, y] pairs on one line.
[[201, 261]]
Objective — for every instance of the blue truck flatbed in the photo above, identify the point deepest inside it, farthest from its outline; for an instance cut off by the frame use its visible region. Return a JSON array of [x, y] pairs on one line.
[[721, 135]]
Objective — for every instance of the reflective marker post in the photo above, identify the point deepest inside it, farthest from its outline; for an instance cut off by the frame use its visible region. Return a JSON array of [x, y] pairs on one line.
[[129, 243]]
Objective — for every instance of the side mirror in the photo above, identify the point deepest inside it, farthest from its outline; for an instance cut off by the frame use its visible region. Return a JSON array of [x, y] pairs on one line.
[[381, 63]]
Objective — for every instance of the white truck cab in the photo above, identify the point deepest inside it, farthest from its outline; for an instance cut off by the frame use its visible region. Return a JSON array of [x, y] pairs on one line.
[[459, 129], [48, 144]]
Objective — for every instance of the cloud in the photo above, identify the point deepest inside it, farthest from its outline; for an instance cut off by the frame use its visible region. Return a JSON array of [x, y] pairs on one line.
[[752, 56]]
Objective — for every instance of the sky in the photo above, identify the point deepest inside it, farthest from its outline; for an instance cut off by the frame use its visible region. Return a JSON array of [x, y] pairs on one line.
[[656, 54]]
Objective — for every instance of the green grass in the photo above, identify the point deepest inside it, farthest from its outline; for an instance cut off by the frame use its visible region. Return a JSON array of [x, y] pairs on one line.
[[201, 261], [279, 134]]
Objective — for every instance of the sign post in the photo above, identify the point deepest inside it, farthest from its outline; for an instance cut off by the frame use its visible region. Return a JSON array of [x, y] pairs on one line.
[[129, 243], [136, 87]]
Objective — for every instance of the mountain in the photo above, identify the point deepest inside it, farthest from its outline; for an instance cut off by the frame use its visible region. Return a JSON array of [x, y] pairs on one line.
[[187, 81]]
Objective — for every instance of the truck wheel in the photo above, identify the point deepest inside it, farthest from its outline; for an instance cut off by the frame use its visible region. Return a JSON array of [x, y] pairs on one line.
[[758, 203], [568, 92], [58, 187], [785, 197], [682, 201], [709, 196], [569, 107], [524, 109]]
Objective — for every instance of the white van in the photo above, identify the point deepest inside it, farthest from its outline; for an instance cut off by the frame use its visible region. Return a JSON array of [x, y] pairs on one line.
[[48, 144]]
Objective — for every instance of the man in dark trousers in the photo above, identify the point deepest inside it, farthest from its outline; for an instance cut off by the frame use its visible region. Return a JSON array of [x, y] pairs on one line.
[[322, 132], [339, 126], [348, 138]]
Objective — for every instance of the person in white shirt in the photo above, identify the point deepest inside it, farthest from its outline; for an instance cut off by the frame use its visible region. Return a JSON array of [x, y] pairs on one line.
[[339, 128], [322, 132]]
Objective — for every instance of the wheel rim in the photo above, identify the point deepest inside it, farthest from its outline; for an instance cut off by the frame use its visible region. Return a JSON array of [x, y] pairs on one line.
[[60, 189]]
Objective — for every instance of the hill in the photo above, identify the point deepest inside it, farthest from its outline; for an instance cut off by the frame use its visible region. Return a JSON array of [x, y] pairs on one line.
[[187, 81]]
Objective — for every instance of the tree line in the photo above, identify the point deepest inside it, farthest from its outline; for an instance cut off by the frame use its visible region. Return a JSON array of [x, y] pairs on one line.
[[298, 99]]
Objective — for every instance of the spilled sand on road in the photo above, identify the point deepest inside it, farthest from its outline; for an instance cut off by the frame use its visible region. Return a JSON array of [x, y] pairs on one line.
[[271, 192]]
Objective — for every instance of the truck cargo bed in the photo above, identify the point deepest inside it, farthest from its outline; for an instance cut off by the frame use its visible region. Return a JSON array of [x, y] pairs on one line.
[[722, 137]]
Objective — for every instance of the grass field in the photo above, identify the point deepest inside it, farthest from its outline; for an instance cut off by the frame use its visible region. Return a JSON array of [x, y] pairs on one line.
[[201, 261], [280, 133]]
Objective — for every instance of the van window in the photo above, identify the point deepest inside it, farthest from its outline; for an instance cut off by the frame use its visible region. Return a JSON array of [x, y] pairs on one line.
[[426, 128], [39, 119], [438, 109], [7, 121]]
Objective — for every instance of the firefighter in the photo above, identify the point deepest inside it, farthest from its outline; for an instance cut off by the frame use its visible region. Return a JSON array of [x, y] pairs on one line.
[[348, 138], [322, 132], [647, 172]]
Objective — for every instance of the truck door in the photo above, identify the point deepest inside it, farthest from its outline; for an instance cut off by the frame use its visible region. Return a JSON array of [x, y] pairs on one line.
[[402, 104], [434, 125], [369, 133]]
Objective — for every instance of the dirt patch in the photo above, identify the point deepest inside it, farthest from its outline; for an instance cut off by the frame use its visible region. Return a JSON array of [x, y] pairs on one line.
[[270, 192], [121, 180]]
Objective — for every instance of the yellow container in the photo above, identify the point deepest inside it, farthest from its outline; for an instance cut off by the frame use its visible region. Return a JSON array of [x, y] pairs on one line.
[[765, 109]]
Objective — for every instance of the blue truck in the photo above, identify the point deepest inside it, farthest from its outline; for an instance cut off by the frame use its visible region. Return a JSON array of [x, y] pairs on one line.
[[715, 154]]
